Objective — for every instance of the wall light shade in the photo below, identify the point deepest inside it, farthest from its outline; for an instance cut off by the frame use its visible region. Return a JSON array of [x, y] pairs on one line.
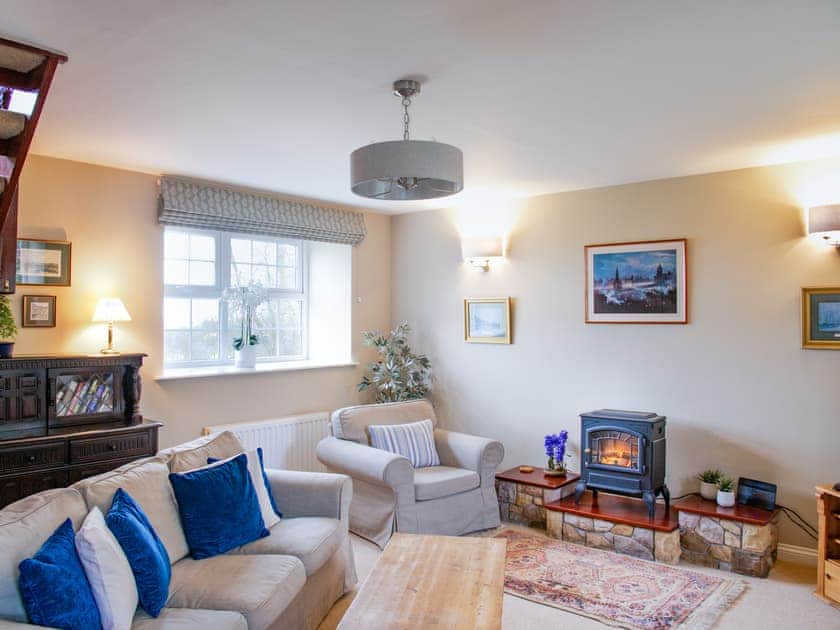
[[479, 251], [824, 222]]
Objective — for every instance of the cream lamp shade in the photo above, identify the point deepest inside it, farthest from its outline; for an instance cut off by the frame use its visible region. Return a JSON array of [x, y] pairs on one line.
[[111, 309], [824, 222]]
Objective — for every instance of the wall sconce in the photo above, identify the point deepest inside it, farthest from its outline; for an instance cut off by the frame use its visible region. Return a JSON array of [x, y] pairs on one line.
[[824, 222], [479, 251]]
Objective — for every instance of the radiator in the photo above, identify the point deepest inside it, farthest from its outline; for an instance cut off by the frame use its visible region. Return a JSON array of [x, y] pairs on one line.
[[287, 443]]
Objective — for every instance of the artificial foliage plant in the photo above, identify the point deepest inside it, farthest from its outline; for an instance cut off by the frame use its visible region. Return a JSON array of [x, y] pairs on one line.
[[8, 328], [399, 373]]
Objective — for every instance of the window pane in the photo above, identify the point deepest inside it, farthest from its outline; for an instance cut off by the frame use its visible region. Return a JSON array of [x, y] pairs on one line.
[[265, 316], [205, 345], [202, 273], [202, 247], [175, 244], [240, 274], [264, 276], [288, 255], [240, 250], [267, 347], [291, 343], [176, 272], [265, 253], [290, 324], [176, 346], [286, 278], [176, 313], [205, 314]]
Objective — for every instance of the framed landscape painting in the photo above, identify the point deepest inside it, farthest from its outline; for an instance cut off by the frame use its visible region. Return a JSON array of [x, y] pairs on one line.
[[45, 263], [487, 320], [821, 318], [637, 283]]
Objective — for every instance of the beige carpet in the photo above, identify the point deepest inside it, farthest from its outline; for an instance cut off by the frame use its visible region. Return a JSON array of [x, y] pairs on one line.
[[784, 600]]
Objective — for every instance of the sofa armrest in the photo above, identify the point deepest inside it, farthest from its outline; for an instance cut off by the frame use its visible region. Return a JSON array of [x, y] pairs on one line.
[[366, 463], [472, 452], [300, 493], [18, 625]]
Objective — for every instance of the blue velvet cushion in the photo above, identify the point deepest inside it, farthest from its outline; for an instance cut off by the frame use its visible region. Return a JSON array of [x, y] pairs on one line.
[[219, 507], [53, 585], [145, 552], [213, 460]]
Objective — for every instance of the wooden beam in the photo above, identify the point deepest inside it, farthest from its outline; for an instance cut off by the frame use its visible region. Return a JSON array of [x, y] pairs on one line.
[[62, 58], [8, 248], [18, 80]]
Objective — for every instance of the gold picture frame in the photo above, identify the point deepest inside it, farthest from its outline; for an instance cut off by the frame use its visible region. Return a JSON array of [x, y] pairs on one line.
[[821, 318], [487, 320]]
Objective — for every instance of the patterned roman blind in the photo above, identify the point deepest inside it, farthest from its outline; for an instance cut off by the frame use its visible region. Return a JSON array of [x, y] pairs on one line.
[[190, 203]]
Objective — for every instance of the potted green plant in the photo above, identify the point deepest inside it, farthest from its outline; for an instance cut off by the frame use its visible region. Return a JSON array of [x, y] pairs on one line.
[[399, 374], [726, 492], [8, 328], [243, 302], [709, 483]]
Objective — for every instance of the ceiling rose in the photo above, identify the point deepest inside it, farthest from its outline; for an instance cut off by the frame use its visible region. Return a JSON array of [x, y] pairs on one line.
[[406, 169]]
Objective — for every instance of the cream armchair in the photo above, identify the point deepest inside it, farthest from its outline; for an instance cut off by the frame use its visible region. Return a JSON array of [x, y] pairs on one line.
[[457, 497]]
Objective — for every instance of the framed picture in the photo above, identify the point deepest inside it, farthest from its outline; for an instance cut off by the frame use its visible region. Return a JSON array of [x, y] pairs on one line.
[[821, 318], [487, 320], [45, 263], [38, 311], [637, 283]]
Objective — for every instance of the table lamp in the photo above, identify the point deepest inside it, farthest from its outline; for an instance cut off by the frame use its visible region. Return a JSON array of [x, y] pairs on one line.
[[110, 309]]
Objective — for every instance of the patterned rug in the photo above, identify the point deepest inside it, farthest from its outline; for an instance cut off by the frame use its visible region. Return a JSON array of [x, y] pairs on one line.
[[614, 589]]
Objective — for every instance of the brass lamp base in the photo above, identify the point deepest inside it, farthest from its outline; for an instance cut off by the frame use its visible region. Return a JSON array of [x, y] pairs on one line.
[[110, 348]]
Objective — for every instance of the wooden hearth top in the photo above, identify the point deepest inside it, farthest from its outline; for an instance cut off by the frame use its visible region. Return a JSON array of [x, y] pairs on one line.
[[537, 478], [616, 509], [740, 513]]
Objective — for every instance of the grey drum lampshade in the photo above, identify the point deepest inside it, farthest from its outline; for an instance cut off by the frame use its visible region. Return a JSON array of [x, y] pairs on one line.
[[824, 221], [406, 169]]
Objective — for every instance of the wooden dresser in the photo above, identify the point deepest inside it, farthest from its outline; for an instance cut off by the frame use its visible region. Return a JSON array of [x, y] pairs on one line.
[[67, 417], [828, 544]]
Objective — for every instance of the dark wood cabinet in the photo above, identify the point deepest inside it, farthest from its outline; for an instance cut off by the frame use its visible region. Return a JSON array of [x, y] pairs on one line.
[[66, 418]]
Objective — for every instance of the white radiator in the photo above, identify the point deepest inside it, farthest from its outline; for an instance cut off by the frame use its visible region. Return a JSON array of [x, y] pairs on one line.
[[287, 443]]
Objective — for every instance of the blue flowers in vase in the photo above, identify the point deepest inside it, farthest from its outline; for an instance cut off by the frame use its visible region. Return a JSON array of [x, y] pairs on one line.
[[555, 450]]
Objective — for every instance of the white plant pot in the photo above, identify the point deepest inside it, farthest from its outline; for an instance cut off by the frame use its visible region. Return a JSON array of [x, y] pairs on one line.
[[725, 499], [708, 490], [247, 357]]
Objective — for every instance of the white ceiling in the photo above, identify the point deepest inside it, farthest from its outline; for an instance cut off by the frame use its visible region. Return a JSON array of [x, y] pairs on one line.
[[542, 96]]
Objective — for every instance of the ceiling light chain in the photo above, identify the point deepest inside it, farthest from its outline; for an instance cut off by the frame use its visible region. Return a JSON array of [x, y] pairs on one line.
[[406, 119]]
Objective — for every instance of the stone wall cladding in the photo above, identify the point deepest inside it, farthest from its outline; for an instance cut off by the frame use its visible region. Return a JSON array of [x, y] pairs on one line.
[[729, 545], [634, 541], [521, 503]]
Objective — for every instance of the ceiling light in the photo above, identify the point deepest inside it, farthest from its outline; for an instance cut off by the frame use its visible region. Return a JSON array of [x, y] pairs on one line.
[[406, 169], [824, 222]]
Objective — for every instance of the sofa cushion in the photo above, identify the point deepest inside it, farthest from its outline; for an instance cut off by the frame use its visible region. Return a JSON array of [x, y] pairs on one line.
[[145, 552], [256, 466], [108, 572], [442, 481], [219, 506], [413, 440], [147, 481], [186, 619], [54, 587], [311, 539], [192, 455], [24, 526], [258, 587], [351, 423]]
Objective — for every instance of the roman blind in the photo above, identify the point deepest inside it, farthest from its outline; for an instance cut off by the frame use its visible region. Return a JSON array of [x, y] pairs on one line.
[[196, 204]]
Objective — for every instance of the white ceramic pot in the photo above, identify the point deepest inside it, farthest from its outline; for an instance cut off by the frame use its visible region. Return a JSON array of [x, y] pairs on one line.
[[247, 357], [725, 499], [708, 490]]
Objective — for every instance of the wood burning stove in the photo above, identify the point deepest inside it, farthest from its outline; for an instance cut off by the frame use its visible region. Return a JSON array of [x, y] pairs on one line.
[[623, 453]]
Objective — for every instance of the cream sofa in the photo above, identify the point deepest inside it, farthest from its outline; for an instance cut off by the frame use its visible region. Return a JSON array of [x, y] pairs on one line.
[[289, 579], [457, 497]]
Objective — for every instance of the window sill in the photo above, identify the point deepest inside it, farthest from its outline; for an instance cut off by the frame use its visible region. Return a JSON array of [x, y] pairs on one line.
[[178, 374]]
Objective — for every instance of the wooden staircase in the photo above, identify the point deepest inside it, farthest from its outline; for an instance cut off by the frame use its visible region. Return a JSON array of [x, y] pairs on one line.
[[25, 70]]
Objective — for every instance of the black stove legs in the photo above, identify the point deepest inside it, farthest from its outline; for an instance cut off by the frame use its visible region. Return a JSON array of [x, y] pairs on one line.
[[650, 501], [580, 488]]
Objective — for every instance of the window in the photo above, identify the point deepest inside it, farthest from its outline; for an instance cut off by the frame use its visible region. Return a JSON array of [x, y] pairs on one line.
[[199, 265]]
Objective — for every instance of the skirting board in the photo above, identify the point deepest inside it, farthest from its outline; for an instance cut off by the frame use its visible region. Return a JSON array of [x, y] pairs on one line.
[[797, 554]]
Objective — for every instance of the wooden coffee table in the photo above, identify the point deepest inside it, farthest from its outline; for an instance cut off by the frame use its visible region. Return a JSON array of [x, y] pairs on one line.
[[423, 581]]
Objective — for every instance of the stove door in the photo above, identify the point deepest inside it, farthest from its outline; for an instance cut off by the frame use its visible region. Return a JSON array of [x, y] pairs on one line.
[[614, 448]]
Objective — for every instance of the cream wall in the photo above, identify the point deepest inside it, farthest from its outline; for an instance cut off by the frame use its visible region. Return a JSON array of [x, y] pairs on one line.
[[109, 215], [738, 390]]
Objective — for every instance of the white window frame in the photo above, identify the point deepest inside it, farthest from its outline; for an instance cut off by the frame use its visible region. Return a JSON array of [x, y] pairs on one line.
[[222, 278]]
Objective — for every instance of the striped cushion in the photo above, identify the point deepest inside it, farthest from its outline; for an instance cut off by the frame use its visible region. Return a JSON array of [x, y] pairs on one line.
[[414, 440]]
